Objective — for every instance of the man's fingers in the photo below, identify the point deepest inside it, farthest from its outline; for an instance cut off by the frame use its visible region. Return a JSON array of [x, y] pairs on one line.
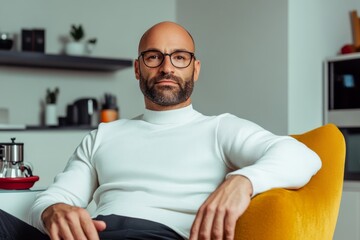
[[60, 230], [78, 229], [54, 233], [208, 223], [196, 226], [217, 216], [209, 212], [217, 230], [85, 227], [64, 231], [229, 226], [67, 222], [99, 225]]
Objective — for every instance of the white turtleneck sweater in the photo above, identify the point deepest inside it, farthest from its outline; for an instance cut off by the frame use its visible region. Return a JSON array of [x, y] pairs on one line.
[[162, 165]]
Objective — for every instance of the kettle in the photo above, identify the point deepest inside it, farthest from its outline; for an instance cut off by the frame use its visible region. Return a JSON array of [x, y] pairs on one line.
[[82, 112], [12, 161]]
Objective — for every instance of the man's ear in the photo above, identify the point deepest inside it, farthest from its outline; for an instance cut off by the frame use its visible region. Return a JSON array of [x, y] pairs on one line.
[[137, 69], [197, 68]]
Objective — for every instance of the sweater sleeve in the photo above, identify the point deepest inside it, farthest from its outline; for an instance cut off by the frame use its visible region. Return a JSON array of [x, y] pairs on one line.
[[267, 160], [74, 186]]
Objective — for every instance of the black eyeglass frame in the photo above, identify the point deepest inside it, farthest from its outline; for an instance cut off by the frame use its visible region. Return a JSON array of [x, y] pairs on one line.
[[192, 56]]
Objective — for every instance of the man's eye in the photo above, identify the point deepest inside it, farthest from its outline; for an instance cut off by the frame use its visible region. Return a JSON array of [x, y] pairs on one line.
[[179, 57], [153, 57]]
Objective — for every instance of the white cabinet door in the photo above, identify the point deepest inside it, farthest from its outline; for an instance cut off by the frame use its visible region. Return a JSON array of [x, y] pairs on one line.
[[347, 226], [17, 202]]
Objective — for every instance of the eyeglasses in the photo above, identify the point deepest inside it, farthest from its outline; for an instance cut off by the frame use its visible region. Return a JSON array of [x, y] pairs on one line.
[[179, 59]]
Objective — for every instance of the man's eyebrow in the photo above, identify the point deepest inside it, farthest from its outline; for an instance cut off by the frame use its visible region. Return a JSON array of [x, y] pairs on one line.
[[151, 49], [173, 50], [181, 49]]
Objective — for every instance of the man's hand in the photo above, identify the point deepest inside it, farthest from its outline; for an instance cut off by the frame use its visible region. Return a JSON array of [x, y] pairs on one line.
[[217, 216], [63, 221]]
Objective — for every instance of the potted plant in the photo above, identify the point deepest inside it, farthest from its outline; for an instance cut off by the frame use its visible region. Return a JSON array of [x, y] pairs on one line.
[[77, 45], [50, 107]]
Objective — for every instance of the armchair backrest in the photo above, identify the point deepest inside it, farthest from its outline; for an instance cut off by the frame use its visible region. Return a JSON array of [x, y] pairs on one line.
[[307, 213]]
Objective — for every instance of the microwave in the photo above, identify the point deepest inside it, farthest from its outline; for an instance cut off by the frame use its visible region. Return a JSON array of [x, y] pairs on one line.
[[342, 90]]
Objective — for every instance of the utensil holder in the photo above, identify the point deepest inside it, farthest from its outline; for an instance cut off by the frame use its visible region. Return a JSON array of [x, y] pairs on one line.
[[51, 118]]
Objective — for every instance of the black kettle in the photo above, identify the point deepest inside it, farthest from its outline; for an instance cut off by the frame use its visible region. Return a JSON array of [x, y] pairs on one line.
[[82, 112]]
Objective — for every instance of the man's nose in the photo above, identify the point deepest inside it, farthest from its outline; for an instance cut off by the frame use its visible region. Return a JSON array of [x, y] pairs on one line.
[[167, 66]]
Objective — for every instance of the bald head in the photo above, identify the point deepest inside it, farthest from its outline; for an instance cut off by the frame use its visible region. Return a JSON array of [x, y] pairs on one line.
[[160, 68], [166, 35]]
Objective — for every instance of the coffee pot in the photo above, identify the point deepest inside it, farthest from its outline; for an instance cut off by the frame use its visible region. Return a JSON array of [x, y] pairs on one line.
[[12, 163], [82, 112]]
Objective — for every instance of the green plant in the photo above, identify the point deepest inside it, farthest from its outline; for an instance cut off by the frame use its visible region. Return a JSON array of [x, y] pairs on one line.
[[51, 96], [77, 33], [92, 40]]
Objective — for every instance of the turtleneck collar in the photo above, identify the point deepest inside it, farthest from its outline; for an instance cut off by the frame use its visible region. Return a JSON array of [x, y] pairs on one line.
[[180, 115]]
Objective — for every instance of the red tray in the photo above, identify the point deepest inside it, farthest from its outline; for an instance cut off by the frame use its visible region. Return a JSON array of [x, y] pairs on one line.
[[20, 183]]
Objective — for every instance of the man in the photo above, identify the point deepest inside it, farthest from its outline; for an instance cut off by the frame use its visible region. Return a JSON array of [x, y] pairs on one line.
[[171, 173]]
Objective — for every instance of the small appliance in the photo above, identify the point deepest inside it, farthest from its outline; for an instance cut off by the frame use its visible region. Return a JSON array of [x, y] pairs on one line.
[[6, 42], [13, 169], [83, 112]]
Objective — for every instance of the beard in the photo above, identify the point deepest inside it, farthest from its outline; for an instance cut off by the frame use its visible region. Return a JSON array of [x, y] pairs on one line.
[[167, 95]]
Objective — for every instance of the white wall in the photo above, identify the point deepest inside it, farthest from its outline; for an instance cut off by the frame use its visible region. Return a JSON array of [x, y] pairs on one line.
[[118, 25], [317, 30], [262, 60], [243, 49]]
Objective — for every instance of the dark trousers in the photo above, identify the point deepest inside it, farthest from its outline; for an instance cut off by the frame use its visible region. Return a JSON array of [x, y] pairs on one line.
[[117, 228]]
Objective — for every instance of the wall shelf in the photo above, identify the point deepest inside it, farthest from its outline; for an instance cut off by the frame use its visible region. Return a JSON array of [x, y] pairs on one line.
[[65, 62]]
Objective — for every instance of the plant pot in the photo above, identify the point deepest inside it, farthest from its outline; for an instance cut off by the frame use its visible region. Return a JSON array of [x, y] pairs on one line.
[[75, 48], [51, 118]]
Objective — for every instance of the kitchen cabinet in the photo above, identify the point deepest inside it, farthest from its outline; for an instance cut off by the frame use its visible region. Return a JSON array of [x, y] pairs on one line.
[[65, 62], [349, 214], [18, 202]]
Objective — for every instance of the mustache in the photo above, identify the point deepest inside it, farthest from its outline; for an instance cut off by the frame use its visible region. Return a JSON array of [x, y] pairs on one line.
[[166, 76]]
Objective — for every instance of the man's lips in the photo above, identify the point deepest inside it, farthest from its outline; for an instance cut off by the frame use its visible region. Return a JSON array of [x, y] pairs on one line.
[[166, 82]]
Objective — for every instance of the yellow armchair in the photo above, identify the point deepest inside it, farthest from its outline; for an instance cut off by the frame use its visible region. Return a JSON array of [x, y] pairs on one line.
[[309, 213]]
